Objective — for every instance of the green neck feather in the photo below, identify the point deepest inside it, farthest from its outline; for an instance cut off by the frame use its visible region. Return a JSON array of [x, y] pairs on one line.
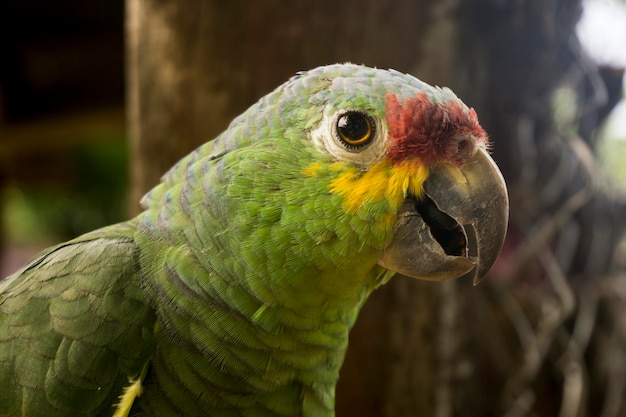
[[260, 277]]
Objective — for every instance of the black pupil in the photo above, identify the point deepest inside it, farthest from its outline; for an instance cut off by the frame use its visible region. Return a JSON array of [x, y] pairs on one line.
[[353, 127]]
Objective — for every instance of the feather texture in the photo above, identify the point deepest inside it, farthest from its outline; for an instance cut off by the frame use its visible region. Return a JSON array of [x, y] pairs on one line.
[[74, 326]]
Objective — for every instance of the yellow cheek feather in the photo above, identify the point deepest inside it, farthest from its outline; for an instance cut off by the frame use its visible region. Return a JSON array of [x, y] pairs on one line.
[[384, 180]]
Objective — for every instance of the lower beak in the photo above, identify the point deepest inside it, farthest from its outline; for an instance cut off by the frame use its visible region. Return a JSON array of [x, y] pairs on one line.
[[457, 228]]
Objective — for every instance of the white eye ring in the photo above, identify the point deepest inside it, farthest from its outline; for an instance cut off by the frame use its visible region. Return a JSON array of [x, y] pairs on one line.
[[362, 143]]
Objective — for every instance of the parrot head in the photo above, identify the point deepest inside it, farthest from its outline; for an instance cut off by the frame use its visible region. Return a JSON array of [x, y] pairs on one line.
[[410, 162], [343, 171]]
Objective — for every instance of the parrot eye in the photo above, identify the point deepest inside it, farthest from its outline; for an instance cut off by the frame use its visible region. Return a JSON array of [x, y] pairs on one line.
[[351, 135], [355, 130]]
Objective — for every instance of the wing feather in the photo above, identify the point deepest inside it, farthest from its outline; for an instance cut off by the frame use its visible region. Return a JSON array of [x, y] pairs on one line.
[[75, 326]]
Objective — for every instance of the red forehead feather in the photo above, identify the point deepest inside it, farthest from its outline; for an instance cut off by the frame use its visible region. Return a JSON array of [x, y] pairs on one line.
[[431, 132]]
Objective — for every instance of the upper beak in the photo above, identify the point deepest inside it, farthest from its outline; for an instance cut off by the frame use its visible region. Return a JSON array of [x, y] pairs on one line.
[[457, 228]]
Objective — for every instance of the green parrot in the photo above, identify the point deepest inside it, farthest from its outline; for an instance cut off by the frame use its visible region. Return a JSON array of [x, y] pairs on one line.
[[233, 292]]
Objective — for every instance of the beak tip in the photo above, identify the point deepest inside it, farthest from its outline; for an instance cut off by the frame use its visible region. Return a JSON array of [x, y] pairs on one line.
[[477, 280]]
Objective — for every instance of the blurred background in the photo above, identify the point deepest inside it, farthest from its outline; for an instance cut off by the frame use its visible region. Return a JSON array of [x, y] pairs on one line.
[[63, 141], [99, 98]]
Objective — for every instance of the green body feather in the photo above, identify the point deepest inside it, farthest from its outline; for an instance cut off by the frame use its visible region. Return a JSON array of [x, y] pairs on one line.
[[238, 284], [74, 325]]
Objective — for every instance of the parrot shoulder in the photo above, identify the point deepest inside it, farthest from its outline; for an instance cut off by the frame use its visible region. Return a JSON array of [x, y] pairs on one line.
[[75, 325]]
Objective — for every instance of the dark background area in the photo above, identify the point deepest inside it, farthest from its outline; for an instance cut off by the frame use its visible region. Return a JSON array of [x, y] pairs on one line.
[[61, 56], [63, 142]]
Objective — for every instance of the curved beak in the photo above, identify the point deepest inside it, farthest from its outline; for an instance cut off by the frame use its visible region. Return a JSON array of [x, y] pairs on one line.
[[457, 228]]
